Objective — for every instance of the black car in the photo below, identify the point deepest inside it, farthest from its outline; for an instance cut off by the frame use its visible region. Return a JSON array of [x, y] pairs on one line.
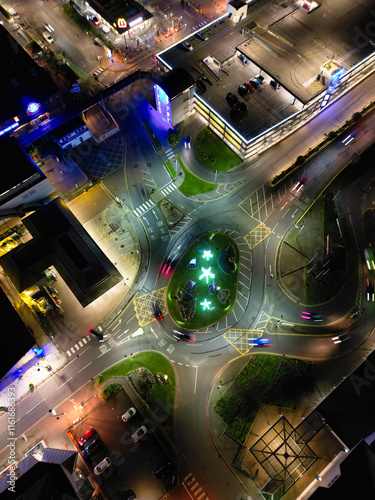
[[188, 337], [239, 107], [260, 78], [91, 445], [157, 313], [231, 98], [243, 90]]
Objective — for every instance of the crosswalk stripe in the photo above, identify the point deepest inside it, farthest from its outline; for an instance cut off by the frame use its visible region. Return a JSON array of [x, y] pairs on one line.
[[84, 340], [68, 353], [80, 344], [72, 349], [76, 346]]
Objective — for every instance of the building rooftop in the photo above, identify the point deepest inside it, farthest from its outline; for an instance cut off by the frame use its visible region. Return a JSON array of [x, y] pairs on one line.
[[13, 156], [112, 10], [281, 40], [174, 82], [61, 241]]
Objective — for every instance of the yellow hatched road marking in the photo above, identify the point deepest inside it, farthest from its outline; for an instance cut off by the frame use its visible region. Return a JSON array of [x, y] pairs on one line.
[[239, 338], [144, 305], [257, 235]]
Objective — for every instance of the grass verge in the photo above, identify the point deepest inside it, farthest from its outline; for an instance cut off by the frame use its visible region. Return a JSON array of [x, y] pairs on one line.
[[191, 184], [212, 152]]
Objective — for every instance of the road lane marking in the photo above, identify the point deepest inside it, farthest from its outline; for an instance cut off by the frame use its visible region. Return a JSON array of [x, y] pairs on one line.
[[79, 371], [63, 383], [196, 377], [33, 408]]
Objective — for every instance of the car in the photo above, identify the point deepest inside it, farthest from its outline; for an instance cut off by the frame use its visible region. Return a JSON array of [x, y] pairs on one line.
[[299, 185], [311, 316], [102, 466], [340, 338], [47, 36], [242, 90], [369, 256], [165, 470], [90, 446], [260, 342], [202, 36], [44, 304], [97, 334], [93, 19], [274, 84], [351, 137], [188, 46], [139, 433], [187, 142], [48, 27], [167, 262], [91, 432], [104, 28], [239, 107], [249, 86], [369, 290], [129, 414], [255, 83], [188, 337], [231, 98], [260, 78], [243, 58], [157, 313]]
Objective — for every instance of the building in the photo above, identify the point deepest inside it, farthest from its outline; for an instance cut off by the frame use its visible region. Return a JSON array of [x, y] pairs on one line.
[[59, 240], [174, 93], [71, 133], [123, 17], [306, 56], [23, 184], [28, 92]]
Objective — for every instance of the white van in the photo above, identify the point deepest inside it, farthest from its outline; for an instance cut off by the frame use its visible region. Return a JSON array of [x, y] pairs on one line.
[[104, 28]]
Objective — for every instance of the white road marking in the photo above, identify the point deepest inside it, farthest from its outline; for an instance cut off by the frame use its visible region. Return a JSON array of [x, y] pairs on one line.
[[64, 383], [33, 408], [79, 371]]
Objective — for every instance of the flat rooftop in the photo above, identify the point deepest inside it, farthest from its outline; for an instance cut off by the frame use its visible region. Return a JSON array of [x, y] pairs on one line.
[[283, 41]]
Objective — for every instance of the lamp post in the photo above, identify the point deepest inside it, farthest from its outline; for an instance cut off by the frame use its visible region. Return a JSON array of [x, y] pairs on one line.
[[55, 414]]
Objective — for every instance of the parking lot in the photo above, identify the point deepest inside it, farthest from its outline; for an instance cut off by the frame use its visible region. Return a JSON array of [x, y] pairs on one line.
[[132, 464]]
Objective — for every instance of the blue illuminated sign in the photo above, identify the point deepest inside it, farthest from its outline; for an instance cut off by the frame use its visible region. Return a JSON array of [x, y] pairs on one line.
[[33, 108]]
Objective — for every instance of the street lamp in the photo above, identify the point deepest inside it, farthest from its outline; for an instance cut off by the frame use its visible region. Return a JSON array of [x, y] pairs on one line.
[[55, 414]]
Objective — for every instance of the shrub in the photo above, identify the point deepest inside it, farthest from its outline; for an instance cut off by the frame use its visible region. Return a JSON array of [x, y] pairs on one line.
[[331, 135], [356, 116], [300, 160], [109, 390]]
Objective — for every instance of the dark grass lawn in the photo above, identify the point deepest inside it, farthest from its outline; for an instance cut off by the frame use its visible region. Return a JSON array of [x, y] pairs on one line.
[[224, 279]]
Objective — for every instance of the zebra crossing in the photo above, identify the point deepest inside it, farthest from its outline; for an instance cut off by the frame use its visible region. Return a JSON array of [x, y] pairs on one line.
[[78, 345], [168, 189], [97, 71], [194, 489], [170, 154], [145, 207]]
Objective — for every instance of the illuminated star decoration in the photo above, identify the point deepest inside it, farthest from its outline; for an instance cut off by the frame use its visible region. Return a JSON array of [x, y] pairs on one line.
[[207, 254], [205, 304], [206, 274]]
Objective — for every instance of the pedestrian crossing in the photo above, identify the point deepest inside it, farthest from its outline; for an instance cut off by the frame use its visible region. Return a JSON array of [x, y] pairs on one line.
[[97, 71], [168, 189], [194, 489], [145, 207], [78, 345], [170, 154]]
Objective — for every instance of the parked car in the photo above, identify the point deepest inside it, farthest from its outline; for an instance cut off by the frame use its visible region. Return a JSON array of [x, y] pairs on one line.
[[274, 84], [104, 28], [255, 83], [187, 46], [102, 466], [139, 433], [260, 78], [202, 36], [87, 435], [239, 107], [231, 98], [129, 414], [249, 86], [242, 90]]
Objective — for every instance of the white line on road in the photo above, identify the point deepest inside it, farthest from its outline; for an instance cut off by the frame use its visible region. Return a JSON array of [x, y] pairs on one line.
[[117, 324], [153, 332], [196, 377], [64, 383], [79, 371], [33, 408], [131, 318], [123, 333], [285, 212]]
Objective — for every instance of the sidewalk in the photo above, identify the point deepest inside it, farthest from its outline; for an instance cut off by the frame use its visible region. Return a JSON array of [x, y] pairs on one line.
[[31, 369]]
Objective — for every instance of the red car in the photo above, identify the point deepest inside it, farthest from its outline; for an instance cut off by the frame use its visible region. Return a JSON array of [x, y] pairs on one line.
[[87, 435]]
